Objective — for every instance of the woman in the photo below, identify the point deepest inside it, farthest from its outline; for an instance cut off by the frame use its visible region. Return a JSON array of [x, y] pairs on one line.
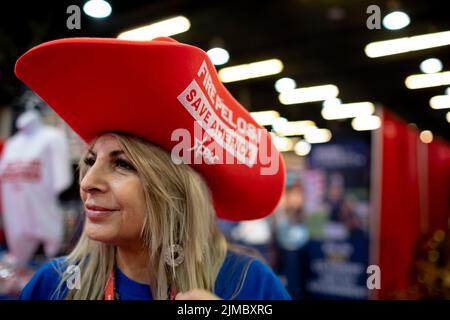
[[150, 230]]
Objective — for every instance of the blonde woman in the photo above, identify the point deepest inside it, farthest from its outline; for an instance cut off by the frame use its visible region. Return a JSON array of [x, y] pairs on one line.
[[150, 197]]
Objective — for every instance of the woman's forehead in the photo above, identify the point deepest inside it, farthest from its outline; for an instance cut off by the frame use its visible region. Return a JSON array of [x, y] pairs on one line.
[[106, 142]]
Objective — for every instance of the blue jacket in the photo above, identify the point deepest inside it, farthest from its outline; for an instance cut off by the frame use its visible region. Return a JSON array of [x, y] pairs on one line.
[[241, 278]]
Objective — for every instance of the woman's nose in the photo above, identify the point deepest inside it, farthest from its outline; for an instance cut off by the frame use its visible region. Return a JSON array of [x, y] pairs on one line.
[[94, 180]]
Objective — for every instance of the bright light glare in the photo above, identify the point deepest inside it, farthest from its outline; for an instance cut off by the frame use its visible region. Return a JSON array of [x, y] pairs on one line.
[[318, 136], [218, 56], [165, 28], [348, 110], [366, 123], [251, 70], [285, 84], [295, 128], [302, 148], [265, 118], [396, 20], [309, 94], [431, 65], [419, 81], [332, 102], [407, 44], [97, 8], [279, 123], [440, 102], [283, 144], [426, 136]]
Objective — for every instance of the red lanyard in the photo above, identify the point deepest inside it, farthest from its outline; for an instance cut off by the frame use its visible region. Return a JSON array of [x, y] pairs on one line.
[[110, 289]]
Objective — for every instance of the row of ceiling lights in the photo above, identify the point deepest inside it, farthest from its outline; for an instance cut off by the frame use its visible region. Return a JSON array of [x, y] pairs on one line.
[[333, 108], [362, 112], [431, 68], [428, 66]]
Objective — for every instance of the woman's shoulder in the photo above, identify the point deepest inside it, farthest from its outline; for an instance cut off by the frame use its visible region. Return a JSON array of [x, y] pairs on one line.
[[44, 283], [245, 277], [263, 284]]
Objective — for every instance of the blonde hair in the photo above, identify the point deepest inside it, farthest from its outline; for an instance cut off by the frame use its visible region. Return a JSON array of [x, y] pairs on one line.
[[179, 211]]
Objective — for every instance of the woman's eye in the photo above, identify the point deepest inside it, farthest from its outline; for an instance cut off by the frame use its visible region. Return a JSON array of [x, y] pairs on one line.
[[124, 164], [89, 161]]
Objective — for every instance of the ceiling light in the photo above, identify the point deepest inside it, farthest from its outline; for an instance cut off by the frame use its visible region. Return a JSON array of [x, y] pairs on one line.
[[407, 44], [426, 136], [97, 8], [309, 94], [218, 56], [419, 81], [366, 123], [302, 148], [265, 118], [431, 65], [318, 136], [440, 102], [448, 116], [283, 144], [396, 20], [165, 28], [348, 110], [279, 123], [295, 128], [285, 84], [332, 102], [251, 70]]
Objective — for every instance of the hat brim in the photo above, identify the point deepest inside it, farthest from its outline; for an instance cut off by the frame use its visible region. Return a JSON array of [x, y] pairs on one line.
[[108, 85]]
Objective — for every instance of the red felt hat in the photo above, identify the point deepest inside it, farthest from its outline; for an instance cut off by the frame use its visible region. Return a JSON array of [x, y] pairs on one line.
[[169, 94]]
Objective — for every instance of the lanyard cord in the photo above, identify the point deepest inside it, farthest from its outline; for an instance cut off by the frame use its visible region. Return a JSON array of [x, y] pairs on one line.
[[110, 289], [111, 294]]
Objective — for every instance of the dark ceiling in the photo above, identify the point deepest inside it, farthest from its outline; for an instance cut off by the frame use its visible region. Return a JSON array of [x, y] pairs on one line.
[[314, 47]]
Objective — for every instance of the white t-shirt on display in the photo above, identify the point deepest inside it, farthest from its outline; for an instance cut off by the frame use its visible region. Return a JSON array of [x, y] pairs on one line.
[[34, 169]]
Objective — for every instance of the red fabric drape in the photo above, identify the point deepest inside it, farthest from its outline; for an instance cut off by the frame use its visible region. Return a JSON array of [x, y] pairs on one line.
[[400, 210], [415, 200], [439, 185]]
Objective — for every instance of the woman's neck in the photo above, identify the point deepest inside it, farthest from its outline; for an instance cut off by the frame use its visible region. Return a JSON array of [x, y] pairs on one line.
[[134, 263]]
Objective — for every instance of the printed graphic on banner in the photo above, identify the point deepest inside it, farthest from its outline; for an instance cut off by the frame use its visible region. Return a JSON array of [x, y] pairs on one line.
[[29, 171], [337, 192]]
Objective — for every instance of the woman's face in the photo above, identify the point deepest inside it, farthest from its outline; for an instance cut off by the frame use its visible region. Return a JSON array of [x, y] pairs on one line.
[[112, 194]]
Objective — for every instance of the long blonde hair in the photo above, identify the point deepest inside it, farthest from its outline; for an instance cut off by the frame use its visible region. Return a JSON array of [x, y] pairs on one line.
[[179, 211]]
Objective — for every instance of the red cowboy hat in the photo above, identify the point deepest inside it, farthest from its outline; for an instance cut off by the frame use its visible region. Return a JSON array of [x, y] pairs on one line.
[[165, 92]]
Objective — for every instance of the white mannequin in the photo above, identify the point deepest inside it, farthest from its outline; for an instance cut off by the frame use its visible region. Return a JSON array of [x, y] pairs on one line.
[[29, 121], [34, 169]]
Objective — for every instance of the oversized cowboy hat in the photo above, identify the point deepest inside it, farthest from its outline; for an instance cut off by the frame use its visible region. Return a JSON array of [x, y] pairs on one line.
[[169, 94]]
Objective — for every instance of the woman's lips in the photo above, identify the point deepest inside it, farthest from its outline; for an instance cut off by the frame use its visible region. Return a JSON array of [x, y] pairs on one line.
[[97, 213]]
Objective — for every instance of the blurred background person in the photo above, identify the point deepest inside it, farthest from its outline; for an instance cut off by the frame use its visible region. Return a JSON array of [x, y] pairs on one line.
[[291, 236]]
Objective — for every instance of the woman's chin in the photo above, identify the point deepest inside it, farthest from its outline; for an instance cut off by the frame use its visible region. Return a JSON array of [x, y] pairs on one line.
[[98, 234]]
